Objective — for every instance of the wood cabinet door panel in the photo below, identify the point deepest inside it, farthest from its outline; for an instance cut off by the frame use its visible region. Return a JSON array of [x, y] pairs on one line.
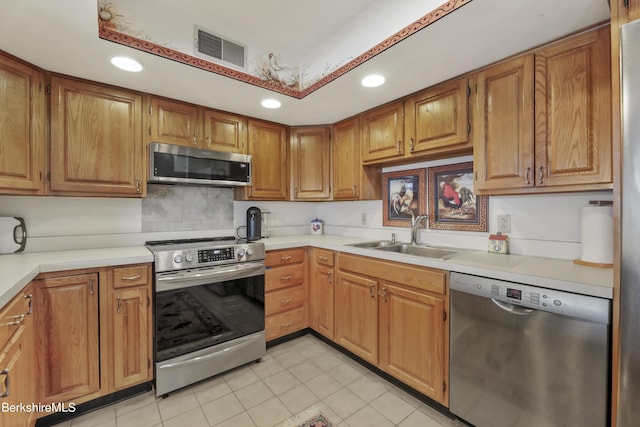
[[268, 146], [383, 133], [224, 132], [322, 301], [412, 328], [131, 335], [346, 160], [356, 309], [96, 139], [438, 117], [311, 163], [66, 320], [503, 123], [174, 122], [22, 120], [573, 111], [16, 362]]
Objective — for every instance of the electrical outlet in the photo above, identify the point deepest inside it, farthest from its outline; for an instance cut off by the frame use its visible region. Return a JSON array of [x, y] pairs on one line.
[[504, 223], [363, 218]]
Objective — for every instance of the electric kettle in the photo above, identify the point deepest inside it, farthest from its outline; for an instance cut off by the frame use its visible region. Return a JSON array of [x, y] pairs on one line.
[[254, 224]]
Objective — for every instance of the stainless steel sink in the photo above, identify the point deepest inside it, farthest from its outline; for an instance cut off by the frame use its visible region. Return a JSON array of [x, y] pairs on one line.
[[376, 244], [423, 251]]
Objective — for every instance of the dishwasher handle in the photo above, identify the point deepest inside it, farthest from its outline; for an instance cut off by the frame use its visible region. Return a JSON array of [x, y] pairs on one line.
[[513, 309]]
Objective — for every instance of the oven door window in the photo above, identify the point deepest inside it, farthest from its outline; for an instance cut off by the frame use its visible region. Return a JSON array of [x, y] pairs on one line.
[[196, 317]]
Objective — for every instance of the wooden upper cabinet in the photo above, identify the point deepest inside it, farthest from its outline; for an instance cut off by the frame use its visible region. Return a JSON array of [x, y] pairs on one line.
[[96, 140], [269, 147], [382, 133], [22, 122], [352, 180], [174, 122], [224, 131], [310, 163], [503, 125], [573, 111], [437, 119]]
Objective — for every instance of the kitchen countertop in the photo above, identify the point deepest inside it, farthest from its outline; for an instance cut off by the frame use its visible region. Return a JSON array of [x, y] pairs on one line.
[[17, 270]]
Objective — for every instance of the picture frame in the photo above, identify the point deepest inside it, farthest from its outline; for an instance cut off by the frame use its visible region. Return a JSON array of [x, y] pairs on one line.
[[453, 204], [403, 191]]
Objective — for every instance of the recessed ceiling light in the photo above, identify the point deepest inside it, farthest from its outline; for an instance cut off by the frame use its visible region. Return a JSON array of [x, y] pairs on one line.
[[374, 80], [126, 64], [271, 103]]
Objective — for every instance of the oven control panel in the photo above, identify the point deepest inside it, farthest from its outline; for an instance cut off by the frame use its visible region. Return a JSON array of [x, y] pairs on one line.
[[217, 254]]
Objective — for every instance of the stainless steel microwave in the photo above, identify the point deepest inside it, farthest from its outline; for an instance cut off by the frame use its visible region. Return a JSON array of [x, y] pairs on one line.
[[176, 164]]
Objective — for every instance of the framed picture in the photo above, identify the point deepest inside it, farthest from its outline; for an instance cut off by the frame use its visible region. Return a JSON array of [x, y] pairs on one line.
[[453, 205], [403, 192]]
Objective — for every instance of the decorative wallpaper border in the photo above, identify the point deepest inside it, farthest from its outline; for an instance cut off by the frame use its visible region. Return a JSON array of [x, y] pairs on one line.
[[109, 34]]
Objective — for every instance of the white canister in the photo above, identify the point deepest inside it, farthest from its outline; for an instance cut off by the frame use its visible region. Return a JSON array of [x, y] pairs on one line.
[[316, 226]]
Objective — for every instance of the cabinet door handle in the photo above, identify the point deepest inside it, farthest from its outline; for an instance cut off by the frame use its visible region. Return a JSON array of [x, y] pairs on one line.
[[399, 145], [7, 383], [526, 176], [138, 188], [208, 141], [330, 277], [118, 304], [355, 190], [129, 278], [91, 290], [411, 145], [195, 139], [30, 297], [541, 176], [372, 293], [384, 294]]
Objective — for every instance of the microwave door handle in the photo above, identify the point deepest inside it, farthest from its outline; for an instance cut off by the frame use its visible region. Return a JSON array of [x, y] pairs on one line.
[[196, 279]]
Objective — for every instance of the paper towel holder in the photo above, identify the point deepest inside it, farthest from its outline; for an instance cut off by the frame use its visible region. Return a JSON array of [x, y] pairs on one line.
[[595, 203]]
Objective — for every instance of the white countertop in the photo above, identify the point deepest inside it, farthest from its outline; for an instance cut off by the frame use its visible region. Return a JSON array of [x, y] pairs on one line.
[[17, 270]]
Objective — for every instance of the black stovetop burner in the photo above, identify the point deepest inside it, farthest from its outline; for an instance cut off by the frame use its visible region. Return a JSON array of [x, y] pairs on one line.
[[185, 241]]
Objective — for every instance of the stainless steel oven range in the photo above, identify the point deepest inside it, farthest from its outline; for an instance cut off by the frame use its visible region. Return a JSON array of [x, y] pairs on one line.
[[208, 308]]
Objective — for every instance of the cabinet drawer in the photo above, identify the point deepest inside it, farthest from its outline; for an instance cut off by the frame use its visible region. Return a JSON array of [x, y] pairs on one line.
[[324, 257], [283, 277], [285, 323], [132, 275], [425, 278], [12, 315], [283, 257], [284, 299]]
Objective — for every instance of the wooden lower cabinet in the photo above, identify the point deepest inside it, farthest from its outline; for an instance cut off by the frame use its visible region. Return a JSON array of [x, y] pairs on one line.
[[67, 339], [17, 378], [412, 341], [322, 292], [285, 292], [93, 332], [394, 316]]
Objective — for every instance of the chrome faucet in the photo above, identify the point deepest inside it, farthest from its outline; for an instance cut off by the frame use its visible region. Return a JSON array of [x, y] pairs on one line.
[[415, 223]]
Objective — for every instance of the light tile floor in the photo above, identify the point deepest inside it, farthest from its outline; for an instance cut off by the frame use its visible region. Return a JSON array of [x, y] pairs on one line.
[[293, 377]]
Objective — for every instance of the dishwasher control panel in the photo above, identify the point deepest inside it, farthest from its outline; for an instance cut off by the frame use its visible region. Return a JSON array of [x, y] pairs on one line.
[[533, 297]]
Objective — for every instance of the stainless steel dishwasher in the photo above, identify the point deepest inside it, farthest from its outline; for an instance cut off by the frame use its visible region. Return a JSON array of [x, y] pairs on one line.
[[523, 356]]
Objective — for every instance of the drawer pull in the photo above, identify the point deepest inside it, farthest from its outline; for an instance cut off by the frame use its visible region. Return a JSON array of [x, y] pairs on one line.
[[7, 383], [285, 278], [286, 301], [323, 259], [17, 320], [285, 258], [286, 325], [129, 278]]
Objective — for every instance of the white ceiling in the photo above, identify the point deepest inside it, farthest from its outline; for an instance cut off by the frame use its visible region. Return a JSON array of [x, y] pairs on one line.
[[62, 36]]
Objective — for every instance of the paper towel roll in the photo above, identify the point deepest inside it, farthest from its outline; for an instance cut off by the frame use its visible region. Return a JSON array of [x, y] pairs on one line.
[[596, 231]]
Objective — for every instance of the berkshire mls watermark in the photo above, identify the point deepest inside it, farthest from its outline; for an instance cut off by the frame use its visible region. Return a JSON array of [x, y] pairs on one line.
[[38, 407]]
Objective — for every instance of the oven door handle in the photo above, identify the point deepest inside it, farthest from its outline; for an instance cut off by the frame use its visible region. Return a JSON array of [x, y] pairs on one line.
[[193, 278]]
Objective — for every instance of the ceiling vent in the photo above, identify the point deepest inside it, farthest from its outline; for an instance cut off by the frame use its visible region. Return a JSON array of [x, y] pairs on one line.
[[214, 46]]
